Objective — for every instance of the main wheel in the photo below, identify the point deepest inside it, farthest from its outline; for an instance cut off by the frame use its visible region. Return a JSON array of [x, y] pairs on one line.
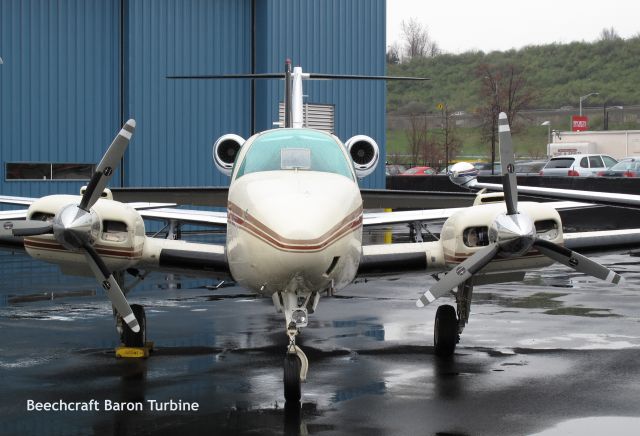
[[131, 338], [292, 367], [445, 331]]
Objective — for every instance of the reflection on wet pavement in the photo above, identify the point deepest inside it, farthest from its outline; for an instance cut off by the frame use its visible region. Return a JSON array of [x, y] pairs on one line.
[[549, 354]]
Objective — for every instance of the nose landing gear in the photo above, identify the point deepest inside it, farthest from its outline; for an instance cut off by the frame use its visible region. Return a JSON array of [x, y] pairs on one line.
[[296, 366], [296, 308]]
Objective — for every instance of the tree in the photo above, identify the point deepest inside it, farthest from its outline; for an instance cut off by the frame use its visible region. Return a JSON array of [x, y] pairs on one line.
[[609, 34], [417, 42], [502, 89], [450, 143], [393, 54], [416, 136]]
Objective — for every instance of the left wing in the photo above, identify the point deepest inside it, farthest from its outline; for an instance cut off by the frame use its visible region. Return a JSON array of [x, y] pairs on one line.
[[27, 201]]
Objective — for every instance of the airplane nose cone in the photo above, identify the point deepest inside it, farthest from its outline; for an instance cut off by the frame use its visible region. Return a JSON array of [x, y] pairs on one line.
[[298, 211]]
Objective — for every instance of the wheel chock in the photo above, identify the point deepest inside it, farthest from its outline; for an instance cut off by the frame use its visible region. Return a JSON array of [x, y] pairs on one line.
[[134, 352]]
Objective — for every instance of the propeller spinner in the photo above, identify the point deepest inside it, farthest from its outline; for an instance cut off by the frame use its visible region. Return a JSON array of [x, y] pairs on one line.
[[512, 234], [76, 226]]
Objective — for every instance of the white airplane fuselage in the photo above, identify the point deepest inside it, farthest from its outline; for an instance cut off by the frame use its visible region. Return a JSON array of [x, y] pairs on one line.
[[294, 230]]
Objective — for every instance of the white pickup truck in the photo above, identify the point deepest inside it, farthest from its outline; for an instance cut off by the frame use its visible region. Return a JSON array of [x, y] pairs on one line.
[[577, 165]]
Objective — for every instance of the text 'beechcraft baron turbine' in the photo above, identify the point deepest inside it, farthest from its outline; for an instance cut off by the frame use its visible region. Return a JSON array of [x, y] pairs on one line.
[[294, 226]]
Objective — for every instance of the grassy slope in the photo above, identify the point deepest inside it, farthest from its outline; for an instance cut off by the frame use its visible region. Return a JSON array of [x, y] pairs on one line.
[[559, 73]]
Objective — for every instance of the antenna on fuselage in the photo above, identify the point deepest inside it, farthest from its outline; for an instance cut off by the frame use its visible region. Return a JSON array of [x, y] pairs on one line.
[[287, 93]]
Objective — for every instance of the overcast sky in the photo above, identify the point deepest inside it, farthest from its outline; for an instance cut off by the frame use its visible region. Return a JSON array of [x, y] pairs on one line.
[[459, 26]]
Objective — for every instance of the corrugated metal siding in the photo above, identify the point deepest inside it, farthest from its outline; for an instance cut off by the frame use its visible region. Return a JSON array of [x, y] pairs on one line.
[[327, 36], [58, 85], [178, 120]]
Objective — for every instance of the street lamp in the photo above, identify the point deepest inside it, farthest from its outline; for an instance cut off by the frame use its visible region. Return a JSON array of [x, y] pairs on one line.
[[606, 115], [584, 97], [548, 124]]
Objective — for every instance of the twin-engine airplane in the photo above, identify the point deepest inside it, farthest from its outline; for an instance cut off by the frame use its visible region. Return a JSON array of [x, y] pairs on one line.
[[294, 230]]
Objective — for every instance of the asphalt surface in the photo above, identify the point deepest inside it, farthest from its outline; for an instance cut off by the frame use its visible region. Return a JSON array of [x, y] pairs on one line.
[[559, 354]]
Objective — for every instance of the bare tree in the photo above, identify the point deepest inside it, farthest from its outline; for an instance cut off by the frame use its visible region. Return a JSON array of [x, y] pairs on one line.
[[609, 34], [503, 89], [450, 143], [417, 42], [416, 136], [393, 54]]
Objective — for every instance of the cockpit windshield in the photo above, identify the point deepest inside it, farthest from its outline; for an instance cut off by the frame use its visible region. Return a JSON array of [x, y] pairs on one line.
[[295, 149]]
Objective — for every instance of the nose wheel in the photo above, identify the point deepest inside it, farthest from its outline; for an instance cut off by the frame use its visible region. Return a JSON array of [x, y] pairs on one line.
[[292, 366], [296, 366]]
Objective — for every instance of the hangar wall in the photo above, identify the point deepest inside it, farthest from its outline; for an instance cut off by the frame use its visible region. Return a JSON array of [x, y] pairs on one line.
[[75, 69]]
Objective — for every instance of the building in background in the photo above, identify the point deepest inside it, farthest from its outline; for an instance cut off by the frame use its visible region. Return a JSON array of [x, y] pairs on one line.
[[75, 70]]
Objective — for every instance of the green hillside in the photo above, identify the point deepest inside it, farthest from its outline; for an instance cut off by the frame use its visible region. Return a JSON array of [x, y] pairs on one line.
[[558, 73]]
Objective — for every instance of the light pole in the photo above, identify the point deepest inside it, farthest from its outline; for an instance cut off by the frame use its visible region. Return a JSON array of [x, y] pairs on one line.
[[584, 97], [606, 115], [548, 124]]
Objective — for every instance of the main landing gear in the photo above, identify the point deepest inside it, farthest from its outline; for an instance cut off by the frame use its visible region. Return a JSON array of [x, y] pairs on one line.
[[129, 338], [448, 327]]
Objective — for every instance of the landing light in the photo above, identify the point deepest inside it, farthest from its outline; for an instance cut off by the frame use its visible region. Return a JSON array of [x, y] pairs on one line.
[[299, 317]]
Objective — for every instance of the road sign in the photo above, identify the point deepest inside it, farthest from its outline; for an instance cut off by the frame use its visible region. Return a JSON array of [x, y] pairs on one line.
[[579, 123]]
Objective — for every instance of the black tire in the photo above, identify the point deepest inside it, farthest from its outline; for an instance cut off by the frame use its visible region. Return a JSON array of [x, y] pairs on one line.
[[292, 367], [131, 338], [445, 331]]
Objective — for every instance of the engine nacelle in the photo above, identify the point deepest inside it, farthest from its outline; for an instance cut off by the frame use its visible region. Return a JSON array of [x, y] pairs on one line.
[[225, 152], [365, 154]]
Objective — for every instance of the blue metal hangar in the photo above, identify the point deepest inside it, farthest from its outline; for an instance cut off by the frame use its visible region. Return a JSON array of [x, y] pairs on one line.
[[74, 70]]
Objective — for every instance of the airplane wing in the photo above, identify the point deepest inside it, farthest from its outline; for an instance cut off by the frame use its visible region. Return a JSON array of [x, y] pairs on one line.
[[190, 216], [378, 218], [27, 201], [19, 201], [183, 257], [596, 197], [383, 259], [13, 214]]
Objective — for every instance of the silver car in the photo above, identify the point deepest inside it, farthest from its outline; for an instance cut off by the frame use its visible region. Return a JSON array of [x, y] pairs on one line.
[[577, 165]]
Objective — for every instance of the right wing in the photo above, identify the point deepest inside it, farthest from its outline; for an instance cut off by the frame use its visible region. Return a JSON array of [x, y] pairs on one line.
[[378, 218]]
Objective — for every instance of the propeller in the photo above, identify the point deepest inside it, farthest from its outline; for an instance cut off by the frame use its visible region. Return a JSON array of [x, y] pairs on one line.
[[76, 226], [512, 234]]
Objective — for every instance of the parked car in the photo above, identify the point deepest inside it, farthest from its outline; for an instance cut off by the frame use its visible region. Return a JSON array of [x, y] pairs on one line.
[[484, 168], [419, 171], [627, 167], [577, 165], [531, 168], [394, 169]]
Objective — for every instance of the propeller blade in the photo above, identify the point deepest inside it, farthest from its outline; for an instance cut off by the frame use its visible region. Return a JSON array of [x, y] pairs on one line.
[[577, 261], [107, 166], [111, 287], [25, 228], [459, 274], [510, 186]]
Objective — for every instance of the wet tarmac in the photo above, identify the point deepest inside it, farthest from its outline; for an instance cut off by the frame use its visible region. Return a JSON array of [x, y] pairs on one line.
[[555, 355]]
